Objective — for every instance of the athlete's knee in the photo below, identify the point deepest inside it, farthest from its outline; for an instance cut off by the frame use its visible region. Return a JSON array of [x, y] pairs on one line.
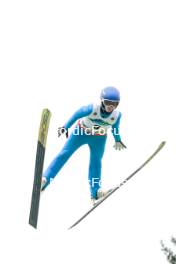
[[96, 161]]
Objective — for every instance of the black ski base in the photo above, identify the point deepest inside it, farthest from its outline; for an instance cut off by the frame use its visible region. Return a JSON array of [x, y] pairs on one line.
[[33, 217]]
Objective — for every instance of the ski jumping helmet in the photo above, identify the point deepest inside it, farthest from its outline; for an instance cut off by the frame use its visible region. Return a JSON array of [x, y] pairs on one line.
[[110, 93]]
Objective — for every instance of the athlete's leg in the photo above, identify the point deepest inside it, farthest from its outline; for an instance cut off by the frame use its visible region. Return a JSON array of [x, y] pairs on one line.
[[97, 147], [72, 144]]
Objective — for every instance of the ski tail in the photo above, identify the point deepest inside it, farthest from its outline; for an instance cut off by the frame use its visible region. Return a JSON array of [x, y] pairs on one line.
[[40, 155]]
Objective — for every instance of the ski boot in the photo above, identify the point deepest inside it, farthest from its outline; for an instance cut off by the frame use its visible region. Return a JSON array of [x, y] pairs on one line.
[[100, 194], [44, 184]]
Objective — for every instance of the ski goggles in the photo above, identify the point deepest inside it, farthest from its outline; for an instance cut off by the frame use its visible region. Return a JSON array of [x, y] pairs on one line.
[[110, 103]]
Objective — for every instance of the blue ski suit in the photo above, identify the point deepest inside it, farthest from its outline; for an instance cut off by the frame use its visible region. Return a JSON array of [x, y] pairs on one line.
[[78, 138]]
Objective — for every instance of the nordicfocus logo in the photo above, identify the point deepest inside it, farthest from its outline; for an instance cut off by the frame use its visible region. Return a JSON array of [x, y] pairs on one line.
[[95, 182], [95, 130]]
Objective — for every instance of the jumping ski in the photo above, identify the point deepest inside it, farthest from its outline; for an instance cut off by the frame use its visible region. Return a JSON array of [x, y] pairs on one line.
[[42, 137], [162, 144]]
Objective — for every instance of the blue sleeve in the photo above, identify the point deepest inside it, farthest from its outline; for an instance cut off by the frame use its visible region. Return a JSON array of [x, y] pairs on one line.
[[83, 111], [115, 129]]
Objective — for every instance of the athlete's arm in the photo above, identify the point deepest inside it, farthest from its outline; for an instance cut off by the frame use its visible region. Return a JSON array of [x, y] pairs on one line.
[[82, 112], [115, 129]]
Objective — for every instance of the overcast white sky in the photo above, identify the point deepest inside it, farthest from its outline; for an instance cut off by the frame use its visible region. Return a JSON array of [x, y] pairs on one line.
[[59, 55]]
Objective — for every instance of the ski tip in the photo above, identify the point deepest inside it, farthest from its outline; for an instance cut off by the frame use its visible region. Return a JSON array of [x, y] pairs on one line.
[[46, 110], [162, 144]]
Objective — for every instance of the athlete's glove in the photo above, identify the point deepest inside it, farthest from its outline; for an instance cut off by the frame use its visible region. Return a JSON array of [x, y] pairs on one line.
[[62, 130], [119, 145]]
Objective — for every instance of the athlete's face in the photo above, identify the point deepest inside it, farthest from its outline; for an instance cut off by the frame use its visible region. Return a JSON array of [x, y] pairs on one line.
[[109, 108], [110, 105]]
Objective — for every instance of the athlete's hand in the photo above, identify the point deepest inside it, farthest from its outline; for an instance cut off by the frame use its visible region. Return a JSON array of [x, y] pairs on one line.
[[62, 130], [119, 145]]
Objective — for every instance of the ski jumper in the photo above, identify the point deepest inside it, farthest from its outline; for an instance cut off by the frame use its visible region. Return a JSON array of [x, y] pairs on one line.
[[91, 129]]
